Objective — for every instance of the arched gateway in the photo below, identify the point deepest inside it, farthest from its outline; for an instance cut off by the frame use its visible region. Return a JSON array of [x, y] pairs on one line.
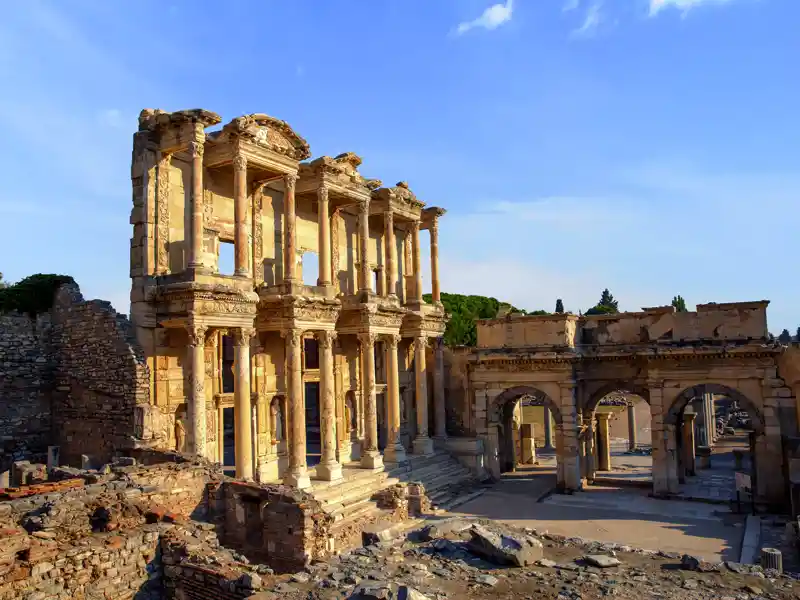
[[666, 358]]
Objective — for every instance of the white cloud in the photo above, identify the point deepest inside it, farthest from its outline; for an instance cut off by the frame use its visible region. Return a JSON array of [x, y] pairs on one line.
[[591, 21], [571, 5], [492, 18], [684, 6]]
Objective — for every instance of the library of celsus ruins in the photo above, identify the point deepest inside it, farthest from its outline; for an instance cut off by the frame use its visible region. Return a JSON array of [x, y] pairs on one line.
[[298, 376]]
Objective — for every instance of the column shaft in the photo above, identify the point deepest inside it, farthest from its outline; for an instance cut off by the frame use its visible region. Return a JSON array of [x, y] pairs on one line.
[[196, 397], [548, 428], [196, 246], [298, 470], [422, 443], [328, 469], [289, 230], [688, 443], [604, 446], [363, 245], [632, 431], [242, 403], [391, 254], [242, 252], [324, 237], [370, 457], [395, 452], [436, 295], [440, 410], [417, 262]]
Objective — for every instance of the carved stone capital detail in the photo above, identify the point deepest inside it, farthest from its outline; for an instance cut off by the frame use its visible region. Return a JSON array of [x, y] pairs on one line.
[[196, 149], [422, 342], [326, 338], [322, 193], [290, 180], [414, 227], [243, 335], [367, 339], [363, 206], [393, 340], [239, 163], [294, 337], [197, 335]]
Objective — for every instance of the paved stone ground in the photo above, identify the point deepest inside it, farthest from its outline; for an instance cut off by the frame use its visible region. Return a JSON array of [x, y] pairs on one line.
[[610, 514]]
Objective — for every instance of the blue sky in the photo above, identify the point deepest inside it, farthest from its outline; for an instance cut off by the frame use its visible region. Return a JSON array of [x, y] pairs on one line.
[[648, 146]]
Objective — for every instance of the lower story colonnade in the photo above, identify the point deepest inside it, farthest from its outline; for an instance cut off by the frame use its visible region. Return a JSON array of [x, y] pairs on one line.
[[299, 404]]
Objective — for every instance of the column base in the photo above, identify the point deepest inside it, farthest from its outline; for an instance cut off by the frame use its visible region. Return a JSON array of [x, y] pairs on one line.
[[329, 472], [395, 454], [244, 474], [298, 479], [423, 445], [372, 459]]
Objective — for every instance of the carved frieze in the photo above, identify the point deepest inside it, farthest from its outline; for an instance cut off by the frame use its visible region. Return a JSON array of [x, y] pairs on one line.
[[270, 133], [258, 238], [162, 215]]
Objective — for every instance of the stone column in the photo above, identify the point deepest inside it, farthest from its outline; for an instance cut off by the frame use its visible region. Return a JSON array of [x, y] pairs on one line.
[[423, 444], [196, 396], [395, 452], [297, 474], [242, 252], [324, 237], [328, 469], [370, 456], [435, 291], [289, 230], [197, 210], [391, 253], [417, 298], [604, 443], [712, 411], [243, 403], [688, 443], [548, 428], [363, 245], [440, 410], [632, 431]]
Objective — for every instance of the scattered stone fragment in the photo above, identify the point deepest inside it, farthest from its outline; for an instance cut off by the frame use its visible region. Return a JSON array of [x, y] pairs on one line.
[[547, 563], [602, 561], [520, 550], [373, 591], [301, 577], [488, 580]]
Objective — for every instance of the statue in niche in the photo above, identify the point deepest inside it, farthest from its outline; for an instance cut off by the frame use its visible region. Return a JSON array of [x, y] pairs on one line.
[[180, 435], [349, 414], [277, 421]]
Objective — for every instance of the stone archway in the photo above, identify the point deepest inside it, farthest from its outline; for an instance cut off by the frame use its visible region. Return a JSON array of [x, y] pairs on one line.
[[676, 436], [500, 422]]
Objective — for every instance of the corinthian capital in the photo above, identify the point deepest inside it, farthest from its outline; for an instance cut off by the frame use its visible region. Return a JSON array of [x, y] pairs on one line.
[[290, 180], [239, 163], [243, 335], [322, 193], [414, 226], [196, 149], [392, 340], [197, 334], [326, 339], [368, 339]]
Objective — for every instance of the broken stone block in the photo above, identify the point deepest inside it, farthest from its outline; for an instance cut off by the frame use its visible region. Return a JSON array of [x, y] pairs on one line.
[[373, 591], [376, 533], [408, 593], [519, 550], [602, 561]]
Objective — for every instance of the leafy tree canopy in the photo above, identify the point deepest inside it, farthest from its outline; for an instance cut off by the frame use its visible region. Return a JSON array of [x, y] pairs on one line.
[[785, 337], [797, 337], [559, 307], [32, 295], [3, 284], [464, 310], [607, 305], [679, 303]]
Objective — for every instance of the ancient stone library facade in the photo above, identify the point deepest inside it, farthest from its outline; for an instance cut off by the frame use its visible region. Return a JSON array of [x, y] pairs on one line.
[[281, 368]]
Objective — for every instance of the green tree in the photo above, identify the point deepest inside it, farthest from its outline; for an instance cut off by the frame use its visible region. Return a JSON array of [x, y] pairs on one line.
[[559, 307], [607, 305], [32, 295], [797, 337], [3, 284], [785, 337], [679, 303]]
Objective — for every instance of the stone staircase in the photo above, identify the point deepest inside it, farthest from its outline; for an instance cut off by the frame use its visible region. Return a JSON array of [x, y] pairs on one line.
[[350, 501]]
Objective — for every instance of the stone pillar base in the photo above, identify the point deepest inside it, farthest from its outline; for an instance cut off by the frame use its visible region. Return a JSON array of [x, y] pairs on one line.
[[329, 472], [395, 454], [372, 459], [268, 471], [299, 479], [423, 446]]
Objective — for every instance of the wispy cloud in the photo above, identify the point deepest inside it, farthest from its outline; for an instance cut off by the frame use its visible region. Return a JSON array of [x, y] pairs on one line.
[[656, 6], [591, 21], [491, 18], [571, 5]]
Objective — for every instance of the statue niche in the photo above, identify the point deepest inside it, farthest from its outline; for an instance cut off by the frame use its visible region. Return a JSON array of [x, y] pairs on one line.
[[277, 420]]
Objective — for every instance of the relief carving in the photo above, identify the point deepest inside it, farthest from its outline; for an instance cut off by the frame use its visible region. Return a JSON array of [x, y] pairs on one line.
[[197, 335], [258, 238], [162, 218]]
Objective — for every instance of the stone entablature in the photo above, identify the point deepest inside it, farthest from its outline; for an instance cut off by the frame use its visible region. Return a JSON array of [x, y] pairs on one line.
[[260, 339], [734, 321]]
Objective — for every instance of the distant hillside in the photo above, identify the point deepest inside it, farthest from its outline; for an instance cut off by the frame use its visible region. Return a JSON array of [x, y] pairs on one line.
[[463, 311]]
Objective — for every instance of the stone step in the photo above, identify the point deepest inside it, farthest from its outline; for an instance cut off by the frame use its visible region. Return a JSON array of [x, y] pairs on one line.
[[422, 473], [353, 495], [348, 486], [442, 473], [458, 500]]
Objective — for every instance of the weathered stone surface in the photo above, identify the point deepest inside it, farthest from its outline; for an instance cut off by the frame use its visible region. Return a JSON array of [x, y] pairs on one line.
[[520, 549], [601, 560], [374, 591]]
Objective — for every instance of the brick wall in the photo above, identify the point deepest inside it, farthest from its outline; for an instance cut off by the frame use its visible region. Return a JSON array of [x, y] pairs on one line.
[[101, 379], [26, 370]]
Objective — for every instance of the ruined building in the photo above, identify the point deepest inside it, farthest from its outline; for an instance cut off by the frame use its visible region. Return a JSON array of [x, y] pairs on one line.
[[347, 367]]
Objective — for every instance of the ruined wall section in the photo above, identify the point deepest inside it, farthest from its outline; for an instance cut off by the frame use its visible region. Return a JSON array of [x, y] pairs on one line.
[[102, 379], [26, 373]]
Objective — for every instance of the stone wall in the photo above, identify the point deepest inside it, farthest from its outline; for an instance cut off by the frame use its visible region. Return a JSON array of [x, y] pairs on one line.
[[101, 379], [26, 370]]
